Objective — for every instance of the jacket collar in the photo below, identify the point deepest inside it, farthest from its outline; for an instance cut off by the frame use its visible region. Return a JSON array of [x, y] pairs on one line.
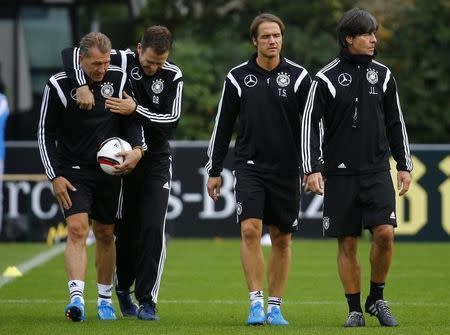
[[255, 66], [345, 55]]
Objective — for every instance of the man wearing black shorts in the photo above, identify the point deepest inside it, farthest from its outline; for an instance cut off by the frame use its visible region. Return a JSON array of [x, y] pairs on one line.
[[268, 94], [68, 141], [354, 98], [140, 236]]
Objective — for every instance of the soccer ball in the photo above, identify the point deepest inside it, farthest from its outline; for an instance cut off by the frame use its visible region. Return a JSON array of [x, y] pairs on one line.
[[106, 155]]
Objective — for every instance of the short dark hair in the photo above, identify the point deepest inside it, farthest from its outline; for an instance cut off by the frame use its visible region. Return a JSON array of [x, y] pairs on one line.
[[158, 38], [95, 39], [355, 22], [261, 18]]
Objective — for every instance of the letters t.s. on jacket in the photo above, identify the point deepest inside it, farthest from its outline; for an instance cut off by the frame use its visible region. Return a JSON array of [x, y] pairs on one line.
[[269, 105]]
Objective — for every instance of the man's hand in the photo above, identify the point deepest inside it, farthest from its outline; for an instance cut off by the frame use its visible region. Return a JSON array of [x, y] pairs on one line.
[[60, 186], [314, 183], [403, 182], [124, 106], [213, 187], [85, 98], [131, 159]]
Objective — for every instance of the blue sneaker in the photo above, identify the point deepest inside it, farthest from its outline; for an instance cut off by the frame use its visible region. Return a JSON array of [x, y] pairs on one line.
[[256, 316], [75, 311], [276, 318], [147, 312], [105, 311], [126, 304]]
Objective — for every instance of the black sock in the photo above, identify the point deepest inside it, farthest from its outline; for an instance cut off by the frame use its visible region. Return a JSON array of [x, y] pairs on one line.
[[354, 303], [376, 291]]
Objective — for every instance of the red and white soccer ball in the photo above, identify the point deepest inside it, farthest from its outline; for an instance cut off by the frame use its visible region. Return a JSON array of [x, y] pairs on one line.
[[106, 155]]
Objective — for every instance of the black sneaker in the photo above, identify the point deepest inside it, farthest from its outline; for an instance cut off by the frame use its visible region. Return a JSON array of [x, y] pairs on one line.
[[355, 319], [380, 309], [147, 312], [127, 306]]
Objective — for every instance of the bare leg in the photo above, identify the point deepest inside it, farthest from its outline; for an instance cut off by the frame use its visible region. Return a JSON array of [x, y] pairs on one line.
[[381, 252], [279, 263], [251, 253], [105, 252], [348, 264], [75, 256]]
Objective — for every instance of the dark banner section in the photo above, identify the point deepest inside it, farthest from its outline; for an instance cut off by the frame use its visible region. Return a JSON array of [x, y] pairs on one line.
[[31, 212]]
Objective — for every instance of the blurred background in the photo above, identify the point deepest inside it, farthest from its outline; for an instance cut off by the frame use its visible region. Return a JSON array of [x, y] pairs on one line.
[[211, 36]]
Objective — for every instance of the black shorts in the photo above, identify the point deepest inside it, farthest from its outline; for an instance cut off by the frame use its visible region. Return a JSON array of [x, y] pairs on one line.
[[273, 198], [355, 202], [98, 194]]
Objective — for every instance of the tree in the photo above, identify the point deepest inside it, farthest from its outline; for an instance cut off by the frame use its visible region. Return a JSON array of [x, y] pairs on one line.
[[211, 36], [418, 54]]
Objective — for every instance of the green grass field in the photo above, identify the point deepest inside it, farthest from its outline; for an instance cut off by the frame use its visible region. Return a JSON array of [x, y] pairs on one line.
[[203, 292]]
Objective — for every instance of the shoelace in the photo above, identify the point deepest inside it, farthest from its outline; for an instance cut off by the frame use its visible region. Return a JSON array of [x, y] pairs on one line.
[[256, 311], [384, 307], [142, 306], [354, 316], [106, 310]]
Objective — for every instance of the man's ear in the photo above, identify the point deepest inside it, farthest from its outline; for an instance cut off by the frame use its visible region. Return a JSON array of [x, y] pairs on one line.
[[349, 40], [254, 42]]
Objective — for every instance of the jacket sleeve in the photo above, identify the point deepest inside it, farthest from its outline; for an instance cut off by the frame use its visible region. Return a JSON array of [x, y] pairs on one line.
[[315, 106], [395, 126], [304, 84], [223, 129], [72, 67], [51, 108], [133, 132], [165, 120]]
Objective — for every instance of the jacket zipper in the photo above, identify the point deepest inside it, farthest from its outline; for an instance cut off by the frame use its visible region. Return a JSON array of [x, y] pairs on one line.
[[355, 120]]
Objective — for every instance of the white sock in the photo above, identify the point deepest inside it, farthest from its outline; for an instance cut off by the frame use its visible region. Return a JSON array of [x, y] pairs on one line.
[[104, 293], [273, 302], [76, 290], [256, 296]]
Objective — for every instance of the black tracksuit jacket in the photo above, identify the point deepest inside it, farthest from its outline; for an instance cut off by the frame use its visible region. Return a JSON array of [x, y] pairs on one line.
[[69, 136], [269, 105], [158, 96], [353, 102]]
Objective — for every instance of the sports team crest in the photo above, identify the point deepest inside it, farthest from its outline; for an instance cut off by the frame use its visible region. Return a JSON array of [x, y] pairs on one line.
[[372, 76], [326, 222], [238, 208], [283, 79], [107, 90], [157, 86]]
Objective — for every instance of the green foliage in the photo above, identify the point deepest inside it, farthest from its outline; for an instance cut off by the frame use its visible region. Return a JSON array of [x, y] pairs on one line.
[[210, 37], [419, 55]]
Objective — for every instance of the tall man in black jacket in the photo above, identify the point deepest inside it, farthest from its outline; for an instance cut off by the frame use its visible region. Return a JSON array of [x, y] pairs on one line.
[[68, 141], [158, 87], [268, 93], [354, 98]]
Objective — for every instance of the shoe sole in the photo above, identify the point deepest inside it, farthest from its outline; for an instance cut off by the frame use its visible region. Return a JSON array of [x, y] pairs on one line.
[[382, 323], [112, 318], [153, 318], [75, 314], [354, 326], [148, 319], [129, 315]]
